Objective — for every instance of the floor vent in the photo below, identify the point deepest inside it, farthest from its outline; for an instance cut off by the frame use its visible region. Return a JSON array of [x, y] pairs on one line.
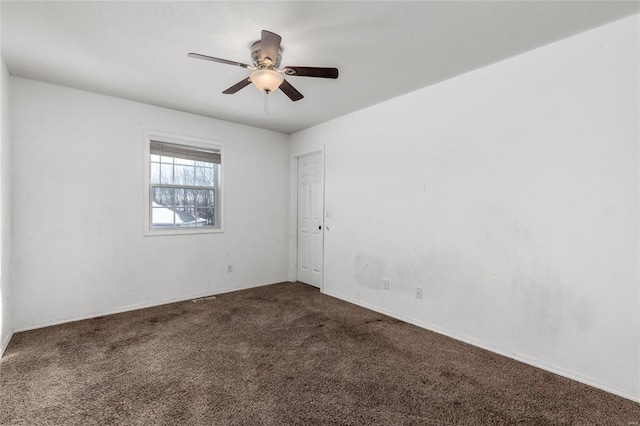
[[202, 299]]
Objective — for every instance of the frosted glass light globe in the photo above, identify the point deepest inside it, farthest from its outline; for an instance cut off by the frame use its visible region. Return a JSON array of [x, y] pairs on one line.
[[266, 80]]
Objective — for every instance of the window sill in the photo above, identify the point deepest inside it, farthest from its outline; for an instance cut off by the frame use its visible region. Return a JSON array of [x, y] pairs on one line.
[[159, 232]]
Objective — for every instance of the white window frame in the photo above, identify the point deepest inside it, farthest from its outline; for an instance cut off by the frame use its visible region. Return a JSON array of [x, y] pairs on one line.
[[154, 135]]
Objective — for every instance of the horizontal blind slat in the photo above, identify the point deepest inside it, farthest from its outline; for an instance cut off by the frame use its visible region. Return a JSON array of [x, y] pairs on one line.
[[185, 152]]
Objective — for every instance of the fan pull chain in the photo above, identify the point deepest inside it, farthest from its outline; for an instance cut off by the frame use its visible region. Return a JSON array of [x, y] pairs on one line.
[[266, 102]]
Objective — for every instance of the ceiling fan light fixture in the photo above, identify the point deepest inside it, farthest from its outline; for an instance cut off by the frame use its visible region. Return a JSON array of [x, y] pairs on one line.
[[266, 80], [266, 75]]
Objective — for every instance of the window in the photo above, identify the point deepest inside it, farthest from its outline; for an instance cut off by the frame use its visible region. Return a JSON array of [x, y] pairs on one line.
[[182, 185]]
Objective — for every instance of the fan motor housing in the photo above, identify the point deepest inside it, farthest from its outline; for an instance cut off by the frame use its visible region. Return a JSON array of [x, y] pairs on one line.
[[256, 53]]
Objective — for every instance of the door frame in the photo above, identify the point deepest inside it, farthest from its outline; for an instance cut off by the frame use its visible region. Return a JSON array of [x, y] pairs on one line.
[[293, 212]]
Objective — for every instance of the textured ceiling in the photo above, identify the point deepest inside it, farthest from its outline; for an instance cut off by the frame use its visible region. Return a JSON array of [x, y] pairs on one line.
[[138, 50]]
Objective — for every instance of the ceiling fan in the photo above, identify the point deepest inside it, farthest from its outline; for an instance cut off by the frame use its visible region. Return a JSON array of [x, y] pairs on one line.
[[266, 55]]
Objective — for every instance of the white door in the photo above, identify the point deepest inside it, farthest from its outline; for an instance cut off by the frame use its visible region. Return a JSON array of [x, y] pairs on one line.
[[310, 208]]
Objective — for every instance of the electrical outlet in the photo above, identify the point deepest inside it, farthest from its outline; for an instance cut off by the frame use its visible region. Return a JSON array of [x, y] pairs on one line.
[[229, 268], [385, 283], [418, 292]]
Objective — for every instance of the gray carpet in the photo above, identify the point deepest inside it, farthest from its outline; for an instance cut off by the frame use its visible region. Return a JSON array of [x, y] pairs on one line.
[[277, 355]]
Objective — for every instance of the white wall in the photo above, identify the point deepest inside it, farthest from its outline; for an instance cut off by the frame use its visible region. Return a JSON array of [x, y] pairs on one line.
[[510, 195], [6, 326], [79, 249]]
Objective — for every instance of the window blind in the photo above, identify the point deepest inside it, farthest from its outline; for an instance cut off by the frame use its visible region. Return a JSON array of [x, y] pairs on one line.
[[208, 155]]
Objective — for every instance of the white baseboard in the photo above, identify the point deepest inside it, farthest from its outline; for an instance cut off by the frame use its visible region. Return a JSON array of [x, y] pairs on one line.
[[140, 306], [5, 343], [524, 359]]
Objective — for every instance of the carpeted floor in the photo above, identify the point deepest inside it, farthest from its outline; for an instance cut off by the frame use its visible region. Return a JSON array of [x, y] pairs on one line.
[[278, 355]]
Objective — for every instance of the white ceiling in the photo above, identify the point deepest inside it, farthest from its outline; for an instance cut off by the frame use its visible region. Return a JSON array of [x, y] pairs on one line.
[[138, 50]]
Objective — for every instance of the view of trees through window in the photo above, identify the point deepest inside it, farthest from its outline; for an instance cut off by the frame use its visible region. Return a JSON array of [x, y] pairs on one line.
[[183, 192]]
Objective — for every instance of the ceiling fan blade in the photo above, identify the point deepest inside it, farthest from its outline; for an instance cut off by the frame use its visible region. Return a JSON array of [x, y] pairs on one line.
[[236, 87], [269, 46], [222, 61], [311, 72], [290, 91]]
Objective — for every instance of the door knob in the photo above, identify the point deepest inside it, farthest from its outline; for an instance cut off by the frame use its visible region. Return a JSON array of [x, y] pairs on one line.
[[320, 227]]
